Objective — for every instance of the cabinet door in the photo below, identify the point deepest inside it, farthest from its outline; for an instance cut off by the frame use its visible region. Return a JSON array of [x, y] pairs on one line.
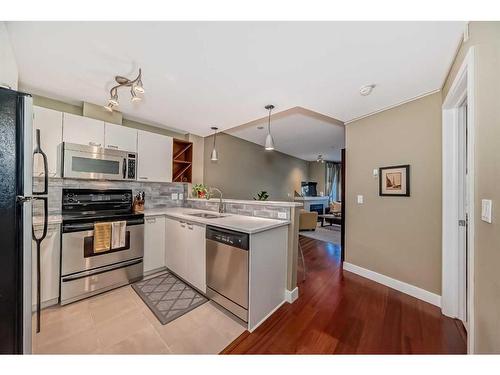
[[154, 243], [154, 157], [176, 258], [196, 256], [49, 266], [119, 137], [83, 130], [50, 124]]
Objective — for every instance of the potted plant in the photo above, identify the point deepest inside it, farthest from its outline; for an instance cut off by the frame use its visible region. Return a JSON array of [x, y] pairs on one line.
[[200, 190], [262, 196]]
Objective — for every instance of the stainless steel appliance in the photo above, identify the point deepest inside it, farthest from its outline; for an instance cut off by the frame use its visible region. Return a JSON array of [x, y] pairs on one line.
[[16, 197], [85, 272], [98, 163], [227, 269]]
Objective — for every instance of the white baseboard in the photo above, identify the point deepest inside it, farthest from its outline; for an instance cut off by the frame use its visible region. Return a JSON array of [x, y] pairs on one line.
[[292, 295], [251, 329], [401, 286]]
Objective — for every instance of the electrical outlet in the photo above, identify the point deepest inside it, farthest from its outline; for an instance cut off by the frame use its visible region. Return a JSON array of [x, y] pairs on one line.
[[175, 196], [181, 196], [281, 215]]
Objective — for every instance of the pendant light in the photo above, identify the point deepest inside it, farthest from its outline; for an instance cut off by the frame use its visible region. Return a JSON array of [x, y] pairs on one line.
[[269, 138], [214, 156]]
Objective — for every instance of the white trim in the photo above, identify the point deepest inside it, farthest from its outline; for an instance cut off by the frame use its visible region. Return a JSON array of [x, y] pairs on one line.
[[412, 290], [292, 295], [462, 87], [392, 106], [251, 329]]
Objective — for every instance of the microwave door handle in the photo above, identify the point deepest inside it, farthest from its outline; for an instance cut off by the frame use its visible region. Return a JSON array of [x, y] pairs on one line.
[[124, 168], [38, 150]]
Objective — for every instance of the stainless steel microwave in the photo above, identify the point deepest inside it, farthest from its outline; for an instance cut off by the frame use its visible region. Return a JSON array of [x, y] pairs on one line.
[[98, 163]]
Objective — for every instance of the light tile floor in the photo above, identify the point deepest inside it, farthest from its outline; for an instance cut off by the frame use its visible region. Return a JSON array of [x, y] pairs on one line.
[[118, 322]]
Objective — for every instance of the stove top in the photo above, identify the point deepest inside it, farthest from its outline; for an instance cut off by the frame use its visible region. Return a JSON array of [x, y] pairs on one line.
[[87, 205]]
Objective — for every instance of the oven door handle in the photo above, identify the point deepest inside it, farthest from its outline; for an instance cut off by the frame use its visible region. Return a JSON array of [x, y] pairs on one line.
[[81, 275]]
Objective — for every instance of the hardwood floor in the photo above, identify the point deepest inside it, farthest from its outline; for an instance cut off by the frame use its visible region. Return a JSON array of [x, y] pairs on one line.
[[340, 312]]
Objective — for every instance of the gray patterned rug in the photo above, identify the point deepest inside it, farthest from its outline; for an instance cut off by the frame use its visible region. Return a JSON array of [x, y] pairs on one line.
[[168, 297]]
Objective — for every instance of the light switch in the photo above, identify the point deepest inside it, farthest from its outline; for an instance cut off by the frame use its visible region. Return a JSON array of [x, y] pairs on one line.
[[486, 210], [360, 199], [181, 196], [375, 172], [175, 196]]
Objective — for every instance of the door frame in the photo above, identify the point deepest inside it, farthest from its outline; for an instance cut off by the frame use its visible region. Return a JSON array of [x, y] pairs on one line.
[[461, 89]]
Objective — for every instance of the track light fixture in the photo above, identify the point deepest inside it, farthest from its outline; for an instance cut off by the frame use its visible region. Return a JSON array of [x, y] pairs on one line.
[[135, 85]]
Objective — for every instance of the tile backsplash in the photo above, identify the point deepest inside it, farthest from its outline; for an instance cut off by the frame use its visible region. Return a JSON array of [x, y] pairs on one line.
[[158, 195], [247, 209]]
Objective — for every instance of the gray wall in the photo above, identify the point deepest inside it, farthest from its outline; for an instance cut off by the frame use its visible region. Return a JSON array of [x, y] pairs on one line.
[[245, 168], [399, 237], [485, 37], [317, 173]]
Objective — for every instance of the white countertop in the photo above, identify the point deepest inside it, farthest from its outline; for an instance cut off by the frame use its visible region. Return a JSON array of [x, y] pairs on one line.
[[241, 201], [240, 223]]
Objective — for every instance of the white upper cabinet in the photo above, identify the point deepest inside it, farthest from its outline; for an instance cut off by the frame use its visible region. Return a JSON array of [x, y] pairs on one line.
[[120, 137], [83, 130], [154, 157], [50, 124]]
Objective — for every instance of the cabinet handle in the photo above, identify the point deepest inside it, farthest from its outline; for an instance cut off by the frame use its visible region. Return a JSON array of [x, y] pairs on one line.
[[190, 226], [143, 178], [112, 146], [94, 144]]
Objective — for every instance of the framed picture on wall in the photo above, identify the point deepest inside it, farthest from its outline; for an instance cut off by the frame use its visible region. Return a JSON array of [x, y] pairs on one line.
[[394, 181]]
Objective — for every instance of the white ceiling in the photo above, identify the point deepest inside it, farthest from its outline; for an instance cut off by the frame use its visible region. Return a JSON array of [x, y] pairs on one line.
[[298, 132], [201, 74]]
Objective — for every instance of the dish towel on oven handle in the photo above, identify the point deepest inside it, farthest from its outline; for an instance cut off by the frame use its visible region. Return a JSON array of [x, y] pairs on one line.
[[118, 230], [102, 237]]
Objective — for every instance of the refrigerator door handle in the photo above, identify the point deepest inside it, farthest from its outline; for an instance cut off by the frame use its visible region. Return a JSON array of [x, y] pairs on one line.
[[38, 242], [38, 150]]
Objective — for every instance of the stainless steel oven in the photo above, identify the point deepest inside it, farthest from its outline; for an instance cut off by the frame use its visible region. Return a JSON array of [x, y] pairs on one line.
[[85, 272], [97, 163]]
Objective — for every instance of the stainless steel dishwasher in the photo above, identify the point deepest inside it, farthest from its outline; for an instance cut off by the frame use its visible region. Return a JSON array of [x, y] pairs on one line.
[[227, 269]]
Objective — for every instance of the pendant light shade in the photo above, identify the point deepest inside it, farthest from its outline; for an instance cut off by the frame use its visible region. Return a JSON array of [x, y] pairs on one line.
[[269, 138], [269, 142], [214, 156]]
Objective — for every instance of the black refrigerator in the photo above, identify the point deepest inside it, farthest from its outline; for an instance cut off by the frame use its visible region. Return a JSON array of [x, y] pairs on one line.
[[16, 198]]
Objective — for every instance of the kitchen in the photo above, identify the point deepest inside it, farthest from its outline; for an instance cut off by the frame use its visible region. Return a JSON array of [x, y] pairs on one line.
[[92, 175]]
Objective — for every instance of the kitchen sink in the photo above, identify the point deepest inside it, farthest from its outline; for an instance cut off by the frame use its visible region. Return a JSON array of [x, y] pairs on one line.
[[206, 215]]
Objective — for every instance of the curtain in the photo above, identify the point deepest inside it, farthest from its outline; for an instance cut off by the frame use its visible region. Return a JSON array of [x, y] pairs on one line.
[[333, 181]]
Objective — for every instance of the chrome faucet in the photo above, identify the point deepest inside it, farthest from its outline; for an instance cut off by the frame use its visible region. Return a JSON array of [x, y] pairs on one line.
[[221, 203]]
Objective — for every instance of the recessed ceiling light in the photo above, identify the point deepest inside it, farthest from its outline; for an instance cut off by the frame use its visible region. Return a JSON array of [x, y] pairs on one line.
[[366, 90]]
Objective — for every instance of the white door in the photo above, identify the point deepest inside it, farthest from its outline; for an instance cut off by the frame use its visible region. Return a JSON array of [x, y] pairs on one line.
[[50, 124], [176, 257], [83, 130], [154, 157], [49, 266], [154, 243], [196, 257], [120, 137]]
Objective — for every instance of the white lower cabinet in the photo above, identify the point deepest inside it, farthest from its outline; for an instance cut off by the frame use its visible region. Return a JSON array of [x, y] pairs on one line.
[[185, 251], [49, 266], [154, 243]]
